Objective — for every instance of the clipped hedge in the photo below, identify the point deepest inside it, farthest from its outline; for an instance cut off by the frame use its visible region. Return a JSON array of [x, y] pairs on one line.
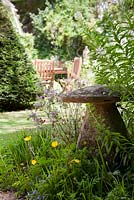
[[18, 88]]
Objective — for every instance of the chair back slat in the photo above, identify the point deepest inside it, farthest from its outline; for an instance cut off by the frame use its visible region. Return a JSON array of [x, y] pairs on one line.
[[45, 69], [75, 73]]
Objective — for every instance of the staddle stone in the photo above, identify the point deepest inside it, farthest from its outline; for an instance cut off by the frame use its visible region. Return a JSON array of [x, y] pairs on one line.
[[102, 109]]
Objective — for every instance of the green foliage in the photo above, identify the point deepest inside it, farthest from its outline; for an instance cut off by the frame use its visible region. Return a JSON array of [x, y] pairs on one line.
[[114, 56], [65, 118], [58, 27], [27, 40], [112, 46], [118, 193], [18, 78], [59, 170], [112, 155], [57, 173], [45, 163]]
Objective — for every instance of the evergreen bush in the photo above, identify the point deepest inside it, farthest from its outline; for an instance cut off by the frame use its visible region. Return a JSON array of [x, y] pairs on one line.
[[17, 76]]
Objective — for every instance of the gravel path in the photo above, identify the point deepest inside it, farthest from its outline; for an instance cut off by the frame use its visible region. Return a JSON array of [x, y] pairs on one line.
[[10, 196], [7, 196]]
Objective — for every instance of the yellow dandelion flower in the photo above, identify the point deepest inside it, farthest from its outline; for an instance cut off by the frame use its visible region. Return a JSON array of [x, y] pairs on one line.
[[54, 144], [33, 162], [75, 161], [28, 138]]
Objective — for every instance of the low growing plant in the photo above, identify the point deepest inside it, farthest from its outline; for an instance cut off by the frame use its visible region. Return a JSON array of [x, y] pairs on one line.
[[41, 165]]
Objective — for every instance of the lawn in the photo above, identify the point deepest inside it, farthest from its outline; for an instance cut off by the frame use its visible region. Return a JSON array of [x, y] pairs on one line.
[[11, 124], [15, 121]]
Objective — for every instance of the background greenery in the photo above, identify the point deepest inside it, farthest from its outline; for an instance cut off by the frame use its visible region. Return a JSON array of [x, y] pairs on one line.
[[57, 28]]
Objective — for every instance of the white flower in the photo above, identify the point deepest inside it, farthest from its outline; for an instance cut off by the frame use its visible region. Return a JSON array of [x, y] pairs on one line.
[[131, 33], [78, 15], [123, 41], [100, 51]]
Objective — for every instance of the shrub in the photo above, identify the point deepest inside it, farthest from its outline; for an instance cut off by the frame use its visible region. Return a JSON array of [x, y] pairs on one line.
[[18, 78]]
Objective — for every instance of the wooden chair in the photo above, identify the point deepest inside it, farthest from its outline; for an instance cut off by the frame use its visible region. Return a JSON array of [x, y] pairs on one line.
[[75, 71], [72, 76], [45, 69]]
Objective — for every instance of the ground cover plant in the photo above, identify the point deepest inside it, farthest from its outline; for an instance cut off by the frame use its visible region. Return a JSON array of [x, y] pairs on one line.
[[46, 164], [40, 166]]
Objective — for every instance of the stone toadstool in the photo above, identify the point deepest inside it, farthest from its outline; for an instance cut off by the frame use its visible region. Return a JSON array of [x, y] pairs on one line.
[[102, 106]]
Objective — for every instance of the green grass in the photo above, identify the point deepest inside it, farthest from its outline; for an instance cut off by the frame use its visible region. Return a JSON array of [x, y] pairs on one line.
[[14, 121], [5, 139], [11, 124]]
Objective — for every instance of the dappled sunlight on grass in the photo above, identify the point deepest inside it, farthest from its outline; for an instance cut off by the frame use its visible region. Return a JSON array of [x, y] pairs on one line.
[[14, 121]]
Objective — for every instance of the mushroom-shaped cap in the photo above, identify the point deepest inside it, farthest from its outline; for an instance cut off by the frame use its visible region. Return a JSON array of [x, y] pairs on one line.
[[92, 94]]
